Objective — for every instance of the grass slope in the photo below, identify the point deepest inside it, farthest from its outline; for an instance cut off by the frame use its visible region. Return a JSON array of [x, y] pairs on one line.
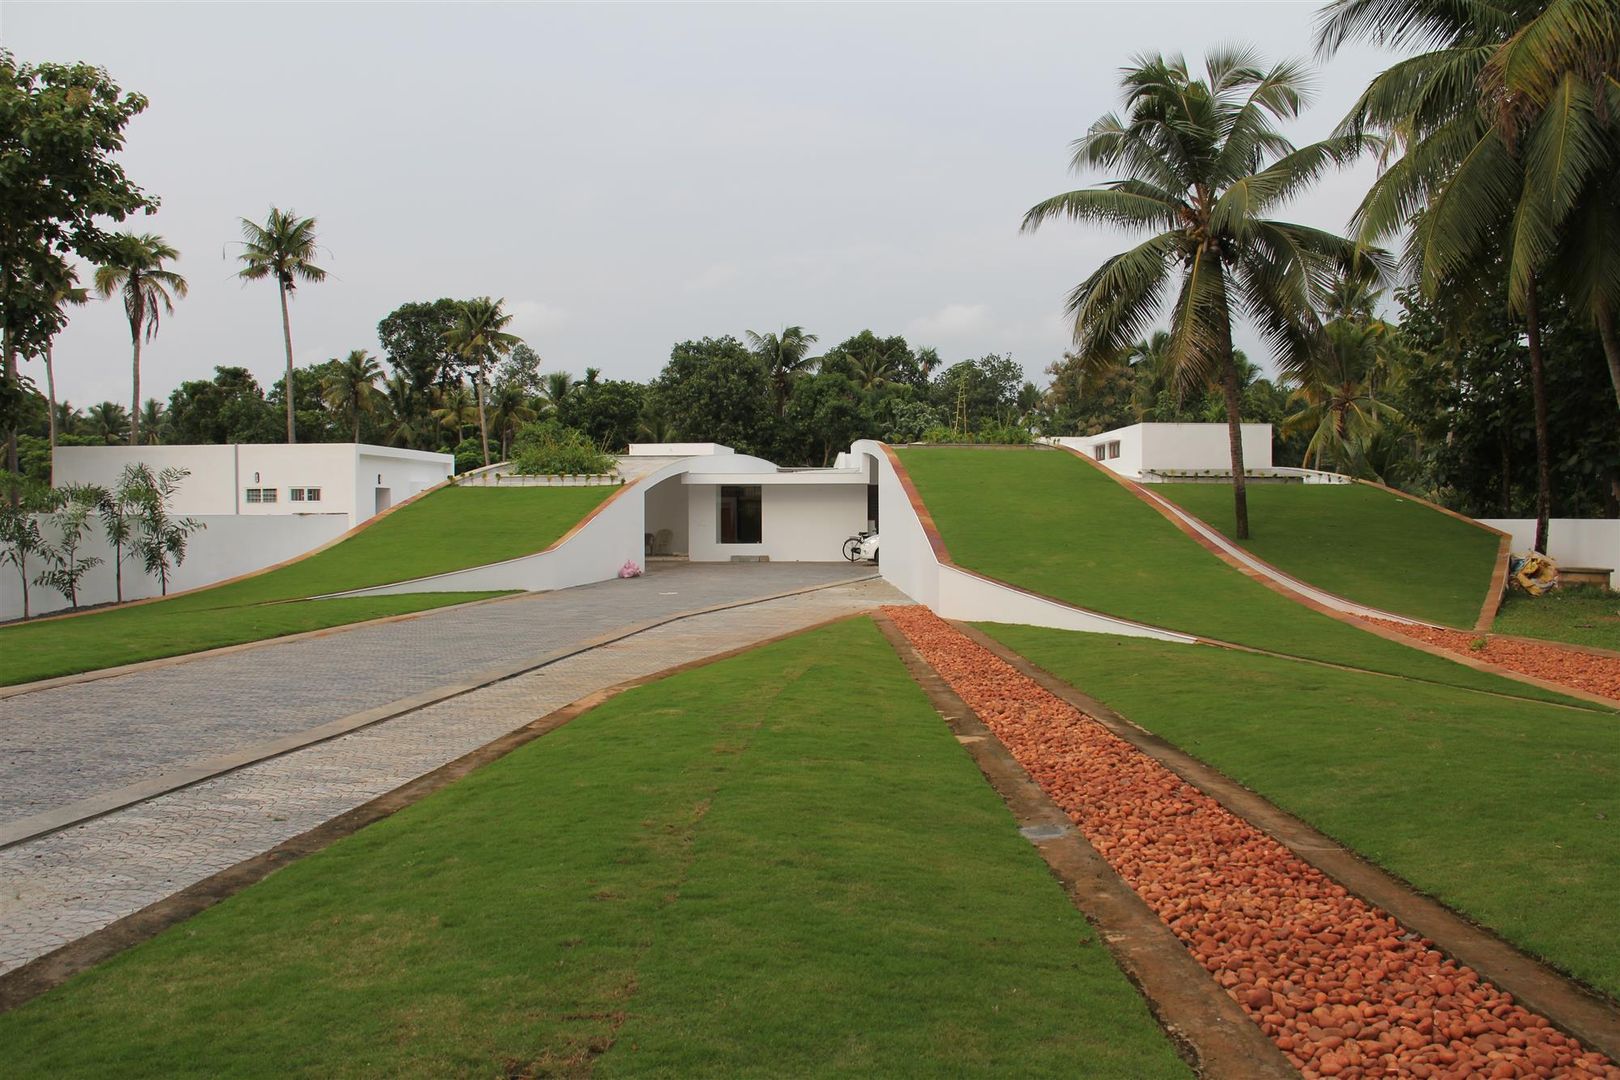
[[1508, 811], [1051, 523], [780, 864], [451, 529], [1360, 542], [1583, 615]]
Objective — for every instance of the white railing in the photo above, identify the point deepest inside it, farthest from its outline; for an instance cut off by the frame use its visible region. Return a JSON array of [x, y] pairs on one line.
[[491, 478]]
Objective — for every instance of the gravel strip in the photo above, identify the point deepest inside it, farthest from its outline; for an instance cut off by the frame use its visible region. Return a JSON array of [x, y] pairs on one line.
[[1341, 987], [1570, 667]]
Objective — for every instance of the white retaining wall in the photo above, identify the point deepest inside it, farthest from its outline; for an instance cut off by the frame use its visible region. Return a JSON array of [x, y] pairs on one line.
[[232, 544]]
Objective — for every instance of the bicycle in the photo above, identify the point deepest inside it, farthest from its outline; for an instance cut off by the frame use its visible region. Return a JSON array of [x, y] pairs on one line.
[[857, 547]]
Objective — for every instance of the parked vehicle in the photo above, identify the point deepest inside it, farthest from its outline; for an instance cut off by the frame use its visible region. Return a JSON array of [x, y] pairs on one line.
[[862, 547]]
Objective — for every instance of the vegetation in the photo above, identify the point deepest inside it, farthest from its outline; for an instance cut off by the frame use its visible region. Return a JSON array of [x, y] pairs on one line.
[[490, 524], [546, 448], [793, 829], [478, 337], [136, 274], [1364, 544], [1430, 782], [1580, 615], [1082, 538], [282, 248]]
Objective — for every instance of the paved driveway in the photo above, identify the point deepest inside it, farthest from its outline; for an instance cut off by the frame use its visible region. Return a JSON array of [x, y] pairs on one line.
[[64, 745]]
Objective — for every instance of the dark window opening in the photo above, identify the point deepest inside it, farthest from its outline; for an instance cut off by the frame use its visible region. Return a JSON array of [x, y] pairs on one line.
[[741, 514]]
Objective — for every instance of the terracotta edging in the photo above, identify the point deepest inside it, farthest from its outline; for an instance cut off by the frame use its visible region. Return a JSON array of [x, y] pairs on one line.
[[51, 970], [1577, 1009], [88, 809], [1206, 1025], [1349, 620]]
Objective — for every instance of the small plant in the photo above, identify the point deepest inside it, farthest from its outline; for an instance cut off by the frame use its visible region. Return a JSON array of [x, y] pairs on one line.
[[72, 508], [161, 538], [20, 536], [1478, 644], [118, 511], [547, 448]]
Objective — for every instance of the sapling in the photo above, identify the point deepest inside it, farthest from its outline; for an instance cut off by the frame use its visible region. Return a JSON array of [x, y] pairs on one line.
[[162, 538], [20, 536], [69, 520]]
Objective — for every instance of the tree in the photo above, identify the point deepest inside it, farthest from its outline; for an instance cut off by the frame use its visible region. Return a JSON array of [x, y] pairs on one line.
[[715, 390], [405, 407], [108, 421], [1203, 160], [283, 248], [607, 411], [557, 390], [454, 409], [154, 422], [118, 508], [160, 537], [229, 408], [509, 409], [479, 338], [522, 370], [135, 272], [350, 388], [69, 519], [415, 342], [826, 413], [67, 294], [1339, 396], [786, 356], [20, 536], [64, 124]]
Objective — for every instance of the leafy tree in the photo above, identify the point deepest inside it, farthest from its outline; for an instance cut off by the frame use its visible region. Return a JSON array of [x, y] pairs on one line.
[[350, 388], [715, 390], [786, 356], [826, 413], [282, 248], [509, 409], [548, 448], [20, 536], [889, 357], [68, 294], [154, 422], [608, 411], [229, 408], [135, 273], [408, 421], [160, 538], [479, 338], [415, 341], [71, 510], [118, 510], [1203, 160], [556, 390], [311, 414], [108, 421], [1339, 399], [60, 188], [909, 421], [522, 370], [454, 409], [978, 393]]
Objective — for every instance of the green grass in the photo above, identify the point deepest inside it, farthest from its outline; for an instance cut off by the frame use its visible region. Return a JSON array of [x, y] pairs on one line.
[[1508, 811], [1051, 523], [780, 864], [1360, 542], [448, 530], [1582, 615]]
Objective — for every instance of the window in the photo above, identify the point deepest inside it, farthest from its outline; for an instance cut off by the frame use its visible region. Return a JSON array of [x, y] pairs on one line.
[[312, 494], [1100, 452], [1113, 450], [300, 494], [261, 495], [741, 514], [295, 494]]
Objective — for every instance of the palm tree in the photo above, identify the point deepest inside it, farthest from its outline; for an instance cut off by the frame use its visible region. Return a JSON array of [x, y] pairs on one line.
[[454, 409], [873, 369], [350, 389], [1339, 392], [479, 337], [786, 356], [404, 408], [555, 389], [283, 248], [137, 274], [509, 407], [67, 418], [1507, 124], [65, 295], [1202, 159], [927, 360], [108, 420], [1151, 373], [154, 421]]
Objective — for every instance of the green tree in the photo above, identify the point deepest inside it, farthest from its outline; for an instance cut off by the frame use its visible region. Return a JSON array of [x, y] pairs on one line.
[[60, 188], [1203, 160], [415, 341], [826, 413], [479, 338], [108, 421], [509, 409], [350, 388], [160, 538], [786, 356], [408, 422], [608, 411], [556, 391], [229, 408], [454, 408], [715, 390], [68, 294], [283, 248], [72, 508], [154, 422], [135, 273], [521, 369], [20, 537], [1338, 398], [118, 509]]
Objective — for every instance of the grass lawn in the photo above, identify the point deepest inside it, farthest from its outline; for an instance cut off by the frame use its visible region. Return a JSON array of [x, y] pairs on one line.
[[450, 529], [779, 864], [1049, 522], [1508, 811], [1582, 615], [1360, 542]]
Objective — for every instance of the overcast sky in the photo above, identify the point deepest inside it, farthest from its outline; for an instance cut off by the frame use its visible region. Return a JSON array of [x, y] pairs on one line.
[[630, 176]]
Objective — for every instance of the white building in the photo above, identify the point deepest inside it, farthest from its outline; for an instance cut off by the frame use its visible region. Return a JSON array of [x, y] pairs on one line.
[[1156, 452], [353, 480]]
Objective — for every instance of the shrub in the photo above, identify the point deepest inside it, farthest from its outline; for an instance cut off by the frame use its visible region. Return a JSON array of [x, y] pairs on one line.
[[547, 448]]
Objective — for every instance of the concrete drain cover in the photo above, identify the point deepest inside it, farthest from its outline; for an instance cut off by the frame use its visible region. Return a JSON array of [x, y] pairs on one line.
[[1043, 832]]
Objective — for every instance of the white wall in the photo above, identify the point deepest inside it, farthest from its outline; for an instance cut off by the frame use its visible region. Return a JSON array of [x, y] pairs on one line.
[[232, 544], [1175, 446], [1570, 541], [327, 466], [800, 522], [403, 472], [666, 509], [210, 489]]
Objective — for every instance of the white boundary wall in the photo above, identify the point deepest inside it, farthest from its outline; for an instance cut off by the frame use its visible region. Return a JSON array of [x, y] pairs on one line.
[[1570, 541], [232, 544], [907, 562], [1145, 447]]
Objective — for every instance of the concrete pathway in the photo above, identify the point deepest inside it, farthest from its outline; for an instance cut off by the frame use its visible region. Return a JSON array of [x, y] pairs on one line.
[[73, 744], [58, 887]]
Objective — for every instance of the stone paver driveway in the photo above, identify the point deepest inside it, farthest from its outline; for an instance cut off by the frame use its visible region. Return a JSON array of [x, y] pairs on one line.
[[64, 745], [61, 886]]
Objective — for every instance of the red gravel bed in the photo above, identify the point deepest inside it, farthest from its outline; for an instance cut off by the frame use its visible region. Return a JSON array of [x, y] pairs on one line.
[[1341, 987], [1567, 667]]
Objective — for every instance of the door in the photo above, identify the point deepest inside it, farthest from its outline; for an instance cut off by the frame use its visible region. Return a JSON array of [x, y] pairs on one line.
[[385, 499]]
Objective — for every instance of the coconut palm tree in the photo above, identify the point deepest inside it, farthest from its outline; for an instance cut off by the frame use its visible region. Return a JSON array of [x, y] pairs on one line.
[[68, 418], [154, 422], [555, 390], [1201, 161], [479, 337], [509, 408], [109, 420], [148, 290], [786, 356], [404, 409], [350, 389], [454, 408], [873, 369], [283, 248], [1338, 395]]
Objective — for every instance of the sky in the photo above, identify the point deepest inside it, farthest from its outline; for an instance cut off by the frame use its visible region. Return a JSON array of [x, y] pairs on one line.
[[629, 176]]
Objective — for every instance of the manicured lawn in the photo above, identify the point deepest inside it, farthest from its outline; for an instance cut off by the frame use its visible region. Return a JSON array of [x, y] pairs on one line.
[[1508, 811], [1360, 542], [448, 530], [1583, 615], [1051, 523], [781, 864]]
